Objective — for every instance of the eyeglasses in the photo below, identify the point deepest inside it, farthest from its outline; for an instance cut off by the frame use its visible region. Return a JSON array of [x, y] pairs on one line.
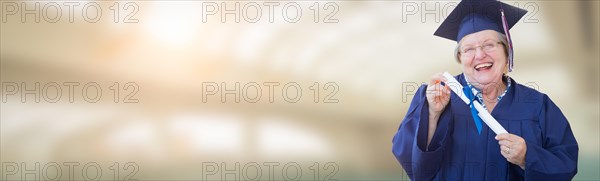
[[487, 46]]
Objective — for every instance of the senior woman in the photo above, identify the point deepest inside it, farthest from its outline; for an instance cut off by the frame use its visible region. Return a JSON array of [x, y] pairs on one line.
[[442, 138]]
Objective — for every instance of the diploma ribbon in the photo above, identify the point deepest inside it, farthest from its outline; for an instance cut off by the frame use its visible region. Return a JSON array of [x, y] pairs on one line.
[[474, 113], [485, 116]]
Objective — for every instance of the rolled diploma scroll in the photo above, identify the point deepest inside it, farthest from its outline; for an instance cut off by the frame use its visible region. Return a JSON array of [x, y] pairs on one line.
[[482, 113]]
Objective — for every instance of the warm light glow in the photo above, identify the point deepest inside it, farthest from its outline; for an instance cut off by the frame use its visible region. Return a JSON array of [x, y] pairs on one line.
[[280, 138], [174, 23], [209, 133]]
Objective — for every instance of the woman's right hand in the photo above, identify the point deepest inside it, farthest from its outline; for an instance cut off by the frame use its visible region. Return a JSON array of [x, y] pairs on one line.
[[438, 96]]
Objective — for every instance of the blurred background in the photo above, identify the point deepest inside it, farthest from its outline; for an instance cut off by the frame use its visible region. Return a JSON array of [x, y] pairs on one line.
[[162, 67]]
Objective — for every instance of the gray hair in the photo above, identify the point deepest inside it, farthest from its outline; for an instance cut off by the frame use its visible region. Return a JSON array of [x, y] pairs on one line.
[[501, 37]]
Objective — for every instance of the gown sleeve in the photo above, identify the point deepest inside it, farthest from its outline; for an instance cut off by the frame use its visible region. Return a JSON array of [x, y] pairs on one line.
[[556, 158], [419, 160]]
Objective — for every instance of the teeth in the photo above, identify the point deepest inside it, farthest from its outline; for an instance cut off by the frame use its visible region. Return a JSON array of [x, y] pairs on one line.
[[483, 65]]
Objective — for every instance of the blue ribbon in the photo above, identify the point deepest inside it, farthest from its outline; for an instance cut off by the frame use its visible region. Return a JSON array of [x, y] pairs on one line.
[[476, 118]]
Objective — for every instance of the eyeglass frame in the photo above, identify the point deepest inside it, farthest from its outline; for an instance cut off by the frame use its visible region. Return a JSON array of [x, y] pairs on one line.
[[461, 52]]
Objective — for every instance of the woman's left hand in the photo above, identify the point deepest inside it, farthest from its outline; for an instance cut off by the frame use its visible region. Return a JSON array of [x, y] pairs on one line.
[[513, 148]]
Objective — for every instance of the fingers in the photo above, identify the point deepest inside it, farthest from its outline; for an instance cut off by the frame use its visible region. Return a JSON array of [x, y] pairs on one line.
[[509, 153], [503, 136], [504, 143], [437, 78], [438, 95], [513, 148], [505, 152], [505, 149], [509, 139], [441, 92]]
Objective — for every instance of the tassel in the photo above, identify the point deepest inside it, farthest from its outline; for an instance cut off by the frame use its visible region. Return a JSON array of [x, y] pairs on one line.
[[510, 46]]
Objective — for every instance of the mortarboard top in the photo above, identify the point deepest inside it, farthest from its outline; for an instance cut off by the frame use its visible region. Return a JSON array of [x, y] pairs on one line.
[[471, 16]]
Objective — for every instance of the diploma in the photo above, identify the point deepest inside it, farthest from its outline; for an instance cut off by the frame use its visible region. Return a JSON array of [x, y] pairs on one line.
[[482, 113]]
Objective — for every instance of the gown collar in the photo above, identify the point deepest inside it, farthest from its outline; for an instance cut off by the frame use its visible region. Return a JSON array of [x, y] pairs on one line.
[[479, 95]]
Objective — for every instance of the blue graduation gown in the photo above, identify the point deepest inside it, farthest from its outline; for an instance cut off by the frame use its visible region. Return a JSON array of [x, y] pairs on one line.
[[458, 152]]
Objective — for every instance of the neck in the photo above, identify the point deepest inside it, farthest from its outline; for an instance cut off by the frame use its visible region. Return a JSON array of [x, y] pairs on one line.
[[492, 89]]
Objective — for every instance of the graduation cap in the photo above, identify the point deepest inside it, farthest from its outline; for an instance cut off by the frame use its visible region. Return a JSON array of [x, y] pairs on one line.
[[472, 16]]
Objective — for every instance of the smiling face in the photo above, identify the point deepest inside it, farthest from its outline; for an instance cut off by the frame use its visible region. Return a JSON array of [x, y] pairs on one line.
[[483, 58]]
